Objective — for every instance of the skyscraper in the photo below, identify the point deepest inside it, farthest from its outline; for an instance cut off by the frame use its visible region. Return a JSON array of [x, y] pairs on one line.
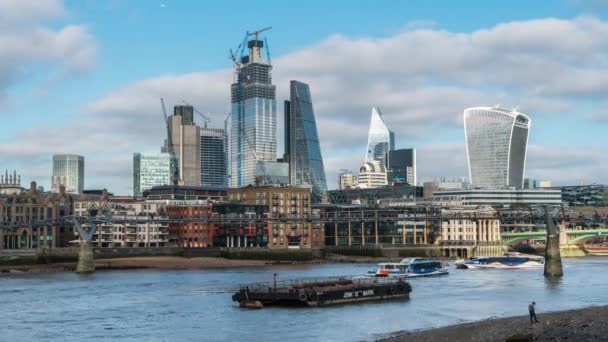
[[186, 145], [380, 139], [213, 162], [496, 141], [68, 170], [402, 166], [302, 146], [254, 116], [152, 169]]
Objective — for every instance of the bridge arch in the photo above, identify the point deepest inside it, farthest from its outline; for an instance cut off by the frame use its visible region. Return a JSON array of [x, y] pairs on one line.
[[582, 238]]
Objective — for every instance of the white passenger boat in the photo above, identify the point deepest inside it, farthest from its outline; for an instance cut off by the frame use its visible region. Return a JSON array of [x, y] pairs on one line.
[[409, 268], [509, 261]]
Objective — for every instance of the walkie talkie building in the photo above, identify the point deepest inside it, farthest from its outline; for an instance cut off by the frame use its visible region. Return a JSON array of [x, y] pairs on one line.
[[496, 141]]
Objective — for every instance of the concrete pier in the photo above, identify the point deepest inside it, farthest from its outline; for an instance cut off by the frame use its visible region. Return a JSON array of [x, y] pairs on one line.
[[553, 258], [86, 260]]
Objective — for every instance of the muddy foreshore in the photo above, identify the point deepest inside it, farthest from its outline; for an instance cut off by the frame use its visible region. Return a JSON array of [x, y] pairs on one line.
[[589, 324], [174, 263]]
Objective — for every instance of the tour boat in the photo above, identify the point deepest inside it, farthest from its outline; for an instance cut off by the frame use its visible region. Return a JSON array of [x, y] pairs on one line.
[[508, 260], [597, 249], [409, 268]]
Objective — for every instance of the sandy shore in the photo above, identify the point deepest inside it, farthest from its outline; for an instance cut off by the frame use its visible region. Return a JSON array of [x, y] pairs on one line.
[[159, 263], [590, 324]]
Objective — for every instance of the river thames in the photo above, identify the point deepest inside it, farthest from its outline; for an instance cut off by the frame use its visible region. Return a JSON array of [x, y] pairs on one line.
[[195, 306]]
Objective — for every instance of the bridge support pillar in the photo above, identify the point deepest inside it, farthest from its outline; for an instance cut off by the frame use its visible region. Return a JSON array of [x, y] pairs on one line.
[[553, 258], [86, 260]]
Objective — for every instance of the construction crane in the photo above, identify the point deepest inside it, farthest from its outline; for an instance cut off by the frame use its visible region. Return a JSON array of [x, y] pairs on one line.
[[176, 178], [169, 142], [206, 118], [237, 54], [255, 33]]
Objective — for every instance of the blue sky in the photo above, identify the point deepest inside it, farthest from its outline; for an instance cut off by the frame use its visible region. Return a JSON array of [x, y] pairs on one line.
[[95, 77]]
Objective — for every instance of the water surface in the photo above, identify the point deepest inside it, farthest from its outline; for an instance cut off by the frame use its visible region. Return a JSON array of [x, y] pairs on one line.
[[194, 305]]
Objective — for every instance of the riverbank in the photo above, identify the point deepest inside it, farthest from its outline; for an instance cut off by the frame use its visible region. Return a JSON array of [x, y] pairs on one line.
[[175, 263], [589, 324]]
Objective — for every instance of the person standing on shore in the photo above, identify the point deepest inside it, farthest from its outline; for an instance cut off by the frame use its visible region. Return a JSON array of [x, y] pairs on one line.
[[532, 309]]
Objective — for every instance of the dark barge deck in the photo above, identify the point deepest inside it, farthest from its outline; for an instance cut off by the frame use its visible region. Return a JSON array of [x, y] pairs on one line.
[[324, 291]]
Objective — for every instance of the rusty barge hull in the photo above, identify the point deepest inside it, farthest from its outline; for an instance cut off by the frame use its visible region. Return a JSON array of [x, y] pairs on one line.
[[326, 293]]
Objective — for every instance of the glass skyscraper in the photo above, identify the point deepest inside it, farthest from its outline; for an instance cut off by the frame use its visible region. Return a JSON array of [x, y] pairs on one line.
[[68, 170], [496, 141], [254, 117], [380, 139], [302, 146], [402, 166], [213, 162], [152, 169]]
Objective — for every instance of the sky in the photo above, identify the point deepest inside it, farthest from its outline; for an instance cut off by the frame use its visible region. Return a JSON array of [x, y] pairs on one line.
[[86, 76]]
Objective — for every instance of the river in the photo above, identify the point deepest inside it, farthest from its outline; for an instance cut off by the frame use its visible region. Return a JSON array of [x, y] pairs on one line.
[[195, 306]]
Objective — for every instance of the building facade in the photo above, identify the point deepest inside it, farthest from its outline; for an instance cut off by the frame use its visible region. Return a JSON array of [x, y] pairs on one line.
[[68, 170], [24, 212], [152, 169], [594, 195], [187, 227], [372, 174], [254, 116], [289, 211], [402, 166], [213, 158], [470, 225], [498, 198], [303, 151], [10, 184], [186, 146], [496, 141], [380, 139], [347, 180]]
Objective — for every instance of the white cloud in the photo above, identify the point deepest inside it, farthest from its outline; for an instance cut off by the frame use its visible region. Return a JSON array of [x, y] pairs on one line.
[[27, 42], [422, 78]]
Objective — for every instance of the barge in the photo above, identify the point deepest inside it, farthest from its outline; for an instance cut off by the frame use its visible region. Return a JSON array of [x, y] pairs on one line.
[[322, 292]]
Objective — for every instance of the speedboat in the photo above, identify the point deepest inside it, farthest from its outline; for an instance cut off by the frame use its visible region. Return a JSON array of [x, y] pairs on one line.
[[508, 260], [409, 268]]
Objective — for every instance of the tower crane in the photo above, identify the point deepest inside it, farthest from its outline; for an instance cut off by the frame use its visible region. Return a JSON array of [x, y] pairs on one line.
[[206, 118], [176, 178]]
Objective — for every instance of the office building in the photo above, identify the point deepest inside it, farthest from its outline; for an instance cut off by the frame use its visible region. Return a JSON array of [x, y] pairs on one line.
[[402, 166], [500, 197], [254, 116], [444, 184], [302, 147], [496, 141], [272, 173], [593, 195], [213, 158], [186, 112], [152, 169], [186, 145], [372, 174], [380, 139], [68, 170], [347, 180]]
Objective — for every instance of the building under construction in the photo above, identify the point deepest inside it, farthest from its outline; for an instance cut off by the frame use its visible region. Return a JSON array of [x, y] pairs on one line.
[[254, 111]]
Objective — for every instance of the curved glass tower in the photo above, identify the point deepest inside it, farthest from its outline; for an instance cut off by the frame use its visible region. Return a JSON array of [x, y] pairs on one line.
[[496, 141], [302, 145], [380, 139]]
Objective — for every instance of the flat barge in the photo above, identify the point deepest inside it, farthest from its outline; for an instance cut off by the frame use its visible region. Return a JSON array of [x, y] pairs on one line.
[[321, 292]]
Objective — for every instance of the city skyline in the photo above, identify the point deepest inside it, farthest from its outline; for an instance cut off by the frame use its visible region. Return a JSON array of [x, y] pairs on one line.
[[423, 102]]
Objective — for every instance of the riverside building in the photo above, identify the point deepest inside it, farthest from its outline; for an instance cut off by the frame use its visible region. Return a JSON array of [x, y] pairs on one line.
[[496, 141]]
